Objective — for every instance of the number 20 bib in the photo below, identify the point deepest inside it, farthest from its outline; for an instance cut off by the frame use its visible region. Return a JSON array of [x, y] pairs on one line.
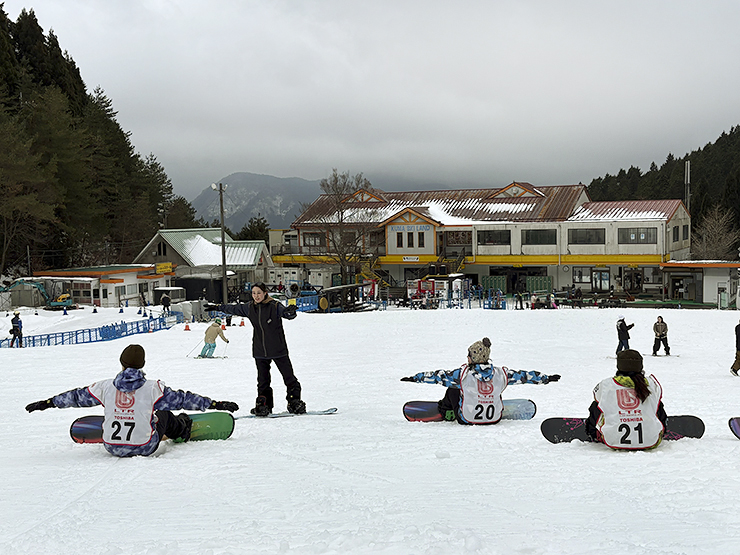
[[481, 400]]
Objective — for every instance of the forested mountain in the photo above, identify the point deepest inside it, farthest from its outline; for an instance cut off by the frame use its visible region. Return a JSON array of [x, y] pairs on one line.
[[74, 191], [714, 176]]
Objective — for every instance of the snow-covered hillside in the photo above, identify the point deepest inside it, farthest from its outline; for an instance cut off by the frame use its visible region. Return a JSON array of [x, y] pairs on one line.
[[365, 480]]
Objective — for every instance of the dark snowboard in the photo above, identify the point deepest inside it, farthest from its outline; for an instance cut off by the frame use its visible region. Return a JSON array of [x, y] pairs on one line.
[[559, 430], [206, 425], [286, 414], [426, 411]]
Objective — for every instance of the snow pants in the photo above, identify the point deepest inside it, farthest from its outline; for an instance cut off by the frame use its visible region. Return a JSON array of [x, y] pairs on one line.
[[736, 364], [623, 344], [168, 425], [19, 337], [286, 370], [656, 345], [451, 401], [207, 351]]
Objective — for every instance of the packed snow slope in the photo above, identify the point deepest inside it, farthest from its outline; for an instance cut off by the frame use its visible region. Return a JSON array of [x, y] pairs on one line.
[[365, 480]]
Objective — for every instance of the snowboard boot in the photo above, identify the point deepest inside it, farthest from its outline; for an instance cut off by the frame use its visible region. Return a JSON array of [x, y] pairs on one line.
[[187, 426], [261, 408], [295, 405]]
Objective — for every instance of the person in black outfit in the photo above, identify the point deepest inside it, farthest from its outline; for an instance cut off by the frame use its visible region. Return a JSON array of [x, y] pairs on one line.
[[736, 365], [165, 300], [623, 333], [17, 329], [268, 344]]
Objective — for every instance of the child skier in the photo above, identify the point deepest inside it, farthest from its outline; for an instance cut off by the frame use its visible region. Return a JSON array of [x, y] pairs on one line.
[[474, 390], [212, 332], [137, 410], [627, 412]]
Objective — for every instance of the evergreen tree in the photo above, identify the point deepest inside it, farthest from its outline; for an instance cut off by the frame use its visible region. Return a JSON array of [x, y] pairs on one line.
[[9, 67], [257, 229]]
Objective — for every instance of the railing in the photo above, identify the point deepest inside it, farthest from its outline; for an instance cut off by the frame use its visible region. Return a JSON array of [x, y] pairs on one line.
[[103, 333]]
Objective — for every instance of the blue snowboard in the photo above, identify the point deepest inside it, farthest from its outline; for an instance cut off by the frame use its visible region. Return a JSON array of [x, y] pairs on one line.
[[426, 411]]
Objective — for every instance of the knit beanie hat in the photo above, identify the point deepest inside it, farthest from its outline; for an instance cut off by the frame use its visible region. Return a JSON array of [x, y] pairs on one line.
[[480, 351], [133, 357], [629, 362], [217, 320]]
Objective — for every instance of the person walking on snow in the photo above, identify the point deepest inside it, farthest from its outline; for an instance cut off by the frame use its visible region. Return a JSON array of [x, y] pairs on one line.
[[623, 334], [627, 411], [476, 384], [165, 300], [660, 328], [736, 365], [17, 329], [212, 332], [268, 344], [137, 415]]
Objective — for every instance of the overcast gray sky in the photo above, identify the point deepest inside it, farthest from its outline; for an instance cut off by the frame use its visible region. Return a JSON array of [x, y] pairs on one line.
[[460, 92]]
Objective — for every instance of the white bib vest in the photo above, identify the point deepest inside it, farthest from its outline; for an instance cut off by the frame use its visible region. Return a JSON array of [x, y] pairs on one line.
[[627, 422], [480, 401], [127, 415]]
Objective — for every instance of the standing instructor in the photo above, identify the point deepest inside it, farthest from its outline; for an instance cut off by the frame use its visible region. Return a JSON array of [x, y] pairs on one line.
[[268, 344]]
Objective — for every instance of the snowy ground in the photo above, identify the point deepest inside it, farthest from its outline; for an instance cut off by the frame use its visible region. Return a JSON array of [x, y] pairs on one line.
[[365, 480]]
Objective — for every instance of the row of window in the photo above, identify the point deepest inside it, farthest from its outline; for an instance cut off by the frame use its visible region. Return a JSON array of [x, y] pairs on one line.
[[596, 236], [630, 235]]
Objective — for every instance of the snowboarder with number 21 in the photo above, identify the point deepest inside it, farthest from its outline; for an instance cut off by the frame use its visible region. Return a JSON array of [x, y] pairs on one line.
[[474, 390], [137, 410]]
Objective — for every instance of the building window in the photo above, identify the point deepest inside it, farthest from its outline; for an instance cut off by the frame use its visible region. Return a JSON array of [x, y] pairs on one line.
[[377, 239], [494, 237], [539, 237], [686, 232], [410, 239], [581, 274], [132, 289], [586, 236], [459, 237], [675, 233], [314, 240], [421, 239], [161, 248], [120, 291], [630, 235], [399, 240]]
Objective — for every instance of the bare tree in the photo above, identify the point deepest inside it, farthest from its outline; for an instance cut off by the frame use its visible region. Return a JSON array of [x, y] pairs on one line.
[[716, 237], [342, 221]]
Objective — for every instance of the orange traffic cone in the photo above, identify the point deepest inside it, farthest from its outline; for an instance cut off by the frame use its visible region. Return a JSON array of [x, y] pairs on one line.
[[242, 323], [223, 326], [187, 327]]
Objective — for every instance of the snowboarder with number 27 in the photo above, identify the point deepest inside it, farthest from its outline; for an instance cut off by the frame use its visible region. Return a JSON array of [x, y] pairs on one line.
[[137, 410]]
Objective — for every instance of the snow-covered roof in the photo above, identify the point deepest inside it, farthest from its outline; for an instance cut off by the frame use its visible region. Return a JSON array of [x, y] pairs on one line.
[[626, 210], [199, 251]]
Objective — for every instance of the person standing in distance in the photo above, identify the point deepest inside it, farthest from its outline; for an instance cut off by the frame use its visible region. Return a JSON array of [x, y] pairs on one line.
[[623, 333], [736, 365], [17, 329], [660, 328], [268, 344]]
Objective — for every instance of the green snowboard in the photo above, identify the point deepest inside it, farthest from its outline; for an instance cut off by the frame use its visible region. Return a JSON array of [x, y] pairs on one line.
[[206, 425]]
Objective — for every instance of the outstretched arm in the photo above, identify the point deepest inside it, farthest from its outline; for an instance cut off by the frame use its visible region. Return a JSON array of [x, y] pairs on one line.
[[529, 376], [80, 397], [448, 378]]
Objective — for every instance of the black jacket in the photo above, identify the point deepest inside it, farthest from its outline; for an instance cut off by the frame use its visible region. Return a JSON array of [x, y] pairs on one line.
[[622, 330], [737, 337], [268, 337]]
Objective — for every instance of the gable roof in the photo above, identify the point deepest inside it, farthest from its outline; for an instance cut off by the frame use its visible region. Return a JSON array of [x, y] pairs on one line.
[[202, 247], [456, 206], [627, 210]]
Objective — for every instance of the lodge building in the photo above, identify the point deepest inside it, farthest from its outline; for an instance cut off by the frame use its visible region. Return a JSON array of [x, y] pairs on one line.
[[516, 237]]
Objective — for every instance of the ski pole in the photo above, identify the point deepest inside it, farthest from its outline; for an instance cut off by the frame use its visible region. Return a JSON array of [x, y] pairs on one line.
[[196, 346]]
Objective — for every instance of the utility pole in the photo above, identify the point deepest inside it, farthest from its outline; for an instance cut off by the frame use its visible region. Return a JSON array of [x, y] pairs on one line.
[[687, 184], [224, 288]]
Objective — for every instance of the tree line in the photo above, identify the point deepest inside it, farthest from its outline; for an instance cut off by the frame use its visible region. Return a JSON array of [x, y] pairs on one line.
[[714, 203]]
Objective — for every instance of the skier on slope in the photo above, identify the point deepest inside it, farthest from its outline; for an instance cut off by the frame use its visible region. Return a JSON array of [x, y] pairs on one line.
[[474, 390], [268, 344], [137, 410], [627, 412], [212, 332]]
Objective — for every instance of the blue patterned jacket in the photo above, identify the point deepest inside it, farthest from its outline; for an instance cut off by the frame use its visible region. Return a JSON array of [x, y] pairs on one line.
[[129, 380], [451, 378]]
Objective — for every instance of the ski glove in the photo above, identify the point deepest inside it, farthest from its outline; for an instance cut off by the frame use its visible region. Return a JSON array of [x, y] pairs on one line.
[[210, 306], [290, 309], [408, 379], [552, 378], [224, 405], [40, 405]]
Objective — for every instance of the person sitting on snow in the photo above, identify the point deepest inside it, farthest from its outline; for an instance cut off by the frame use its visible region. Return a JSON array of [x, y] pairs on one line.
[[212, 332], [137, 410], [627, 412], [474, 390]]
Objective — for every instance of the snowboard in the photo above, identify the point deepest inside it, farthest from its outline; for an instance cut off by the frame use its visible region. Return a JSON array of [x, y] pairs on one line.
[[286, 414], [559, 430], [735, 426], [426, 411], [206, 425]]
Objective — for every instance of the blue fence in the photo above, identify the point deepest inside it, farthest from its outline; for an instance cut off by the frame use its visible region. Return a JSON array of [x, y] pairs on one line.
[[104, 333]]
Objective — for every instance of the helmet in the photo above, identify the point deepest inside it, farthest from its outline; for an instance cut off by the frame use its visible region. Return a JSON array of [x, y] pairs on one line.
[[16, 313], [217, 320]]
